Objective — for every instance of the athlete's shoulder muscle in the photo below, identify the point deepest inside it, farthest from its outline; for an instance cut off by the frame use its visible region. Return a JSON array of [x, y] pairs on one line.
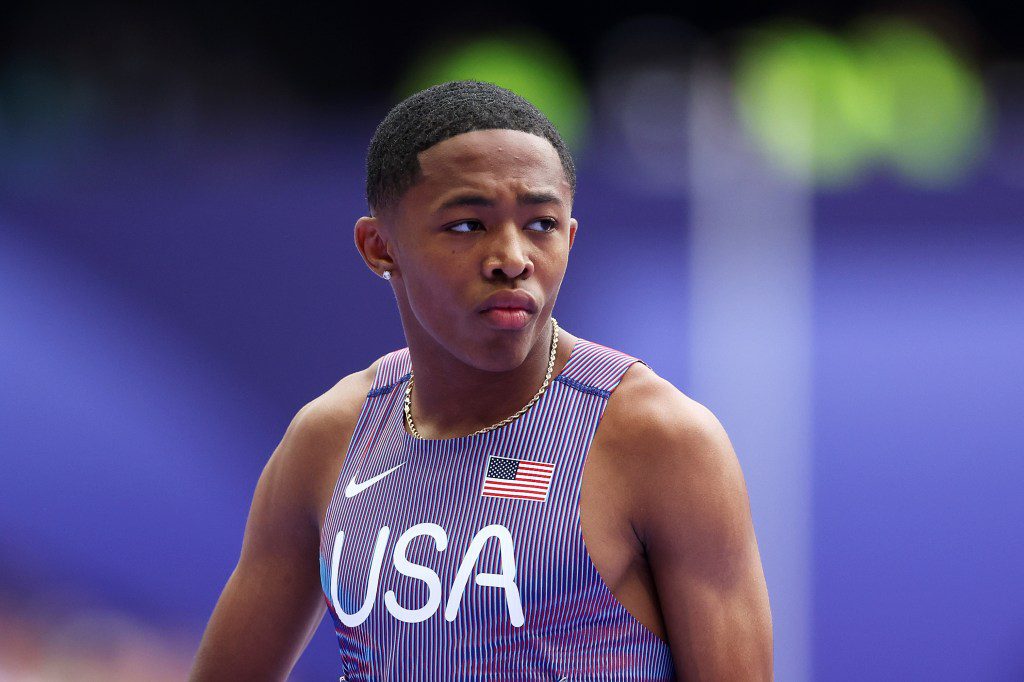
[[272, 604], [692, 512], [318, 436], [641, 406], [344, 397]]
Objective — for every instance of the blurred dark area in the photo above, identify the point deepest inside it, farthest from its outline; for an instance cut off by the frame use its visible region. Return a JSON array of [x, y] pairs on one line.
[[240, 52]]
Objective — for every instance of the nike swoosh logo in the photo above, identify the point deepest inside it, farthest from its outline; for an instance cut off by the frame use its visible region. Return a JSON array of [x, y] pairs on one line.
[[353, 488]]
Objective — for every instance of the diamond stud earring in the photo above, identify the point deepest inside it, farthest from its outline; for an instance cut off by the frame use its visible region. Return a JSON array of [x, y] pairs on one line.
[[387, 275]]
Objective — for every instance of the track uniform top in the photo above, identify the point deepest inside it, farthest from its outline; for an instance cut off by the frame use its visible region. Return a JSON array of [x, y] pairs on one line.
[[462, 558]]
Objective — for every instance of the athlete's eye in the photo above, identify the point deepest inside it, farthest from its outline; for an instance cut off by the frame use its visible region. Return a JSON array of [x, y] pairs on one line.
[[548, 224], [470, 223]]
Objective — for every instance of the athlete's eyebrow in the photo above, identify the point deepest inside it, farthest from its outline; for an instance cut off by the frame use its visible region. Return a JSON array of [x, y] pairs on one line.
[[531, 198], [525, 198]]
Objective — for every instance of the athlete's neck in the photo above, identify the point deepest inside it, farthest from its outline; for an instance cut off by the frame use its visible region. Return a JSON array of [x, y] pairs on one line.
[[452, 398]]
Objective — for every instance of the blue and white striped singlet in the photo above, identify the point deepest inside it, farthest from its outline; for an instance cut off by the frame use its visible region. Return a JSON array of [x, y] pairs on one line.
[[462, 558]]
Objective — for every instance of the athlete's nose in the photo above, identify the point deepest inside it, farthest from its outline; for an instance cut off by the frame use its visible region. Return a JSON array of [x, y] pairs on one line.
[[508, 256]]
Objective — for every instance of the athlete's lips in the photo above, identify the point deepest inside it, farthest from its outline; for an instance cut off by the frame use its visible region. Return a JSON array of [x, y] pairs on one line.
[[510, 299]]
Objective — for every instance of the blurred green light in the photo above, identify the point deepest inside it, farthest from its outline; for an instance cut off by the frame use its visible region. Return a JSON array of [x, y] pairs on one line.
[[824, 109], [804, 100], [525, 63], [936, 107]]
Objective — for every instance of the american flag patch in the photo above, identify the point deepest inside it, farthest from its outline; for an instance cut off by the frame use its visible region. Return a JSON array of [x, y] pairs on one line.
[[519, 479]]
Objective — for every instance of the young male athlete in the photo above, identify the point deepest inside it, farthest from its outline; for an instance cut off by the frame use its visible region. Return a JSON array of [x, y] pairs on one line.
[[499, 500]]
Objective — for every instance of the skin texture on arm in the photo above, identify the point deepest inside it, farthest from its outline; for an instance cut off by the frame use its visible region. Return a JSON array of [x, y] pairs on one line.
[[273, 603], [693, 517]]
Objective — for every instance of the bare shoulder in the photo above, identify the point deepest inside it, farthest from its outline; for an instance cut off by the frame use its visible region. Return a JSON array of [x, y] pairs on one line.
[[645, 406], [690, 509], [262, 638], [340, 404], [314, 444], [663, 438]]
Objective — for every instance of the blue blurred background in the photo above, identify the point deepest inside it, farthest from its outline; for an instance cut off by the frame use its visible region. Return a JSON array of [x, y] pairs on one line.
[[808, 219]]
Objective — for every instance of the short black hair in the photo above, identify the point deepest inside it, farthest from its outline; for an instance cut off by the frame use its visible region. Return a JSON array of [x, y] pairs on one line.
[[438, 113]]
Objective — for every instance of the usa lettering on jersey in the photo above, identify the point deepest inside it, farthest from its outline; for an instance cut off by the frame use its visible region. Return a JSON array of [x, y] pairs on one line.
[[505, 580]]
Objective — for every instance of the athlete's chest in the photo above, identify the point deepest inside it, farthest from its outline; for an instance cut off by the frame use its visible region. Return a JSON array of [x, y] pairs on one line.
[[500, 486], [428, 529]]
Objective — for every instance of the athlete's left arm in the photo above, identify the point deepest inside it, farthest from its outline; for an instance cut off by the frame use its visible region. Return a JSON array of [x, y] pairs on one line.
[[696, 526]]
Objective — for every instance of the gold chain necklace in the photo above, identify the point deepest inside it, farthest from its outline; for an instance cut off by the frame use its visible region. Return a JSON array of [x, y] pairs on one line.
[[506, 420]]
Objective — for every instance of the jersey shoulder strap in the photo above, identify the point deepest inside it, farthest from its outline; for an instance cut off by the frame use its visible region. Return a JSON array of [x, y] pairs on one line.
[[393, 369], [594, 368]]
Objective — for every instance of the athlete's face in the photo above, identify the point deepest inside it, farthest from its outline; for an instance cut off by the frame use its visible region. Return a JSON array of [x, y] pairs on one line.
[[491, 213]]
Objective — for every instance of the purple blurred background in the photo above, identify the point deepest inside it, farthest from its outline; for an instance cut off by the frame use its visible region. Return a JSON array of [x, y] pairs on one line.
[[178, 277]]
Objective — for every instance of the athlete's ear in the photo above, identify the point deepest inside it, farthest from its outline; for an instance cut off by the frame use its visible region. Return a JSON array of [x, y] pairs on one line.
[[572, 231], [372, 241]]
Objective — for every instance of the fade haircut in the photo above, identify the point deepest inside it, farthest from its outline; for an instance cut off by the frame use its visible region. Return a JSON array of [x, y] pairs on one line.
[[436, 114]]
